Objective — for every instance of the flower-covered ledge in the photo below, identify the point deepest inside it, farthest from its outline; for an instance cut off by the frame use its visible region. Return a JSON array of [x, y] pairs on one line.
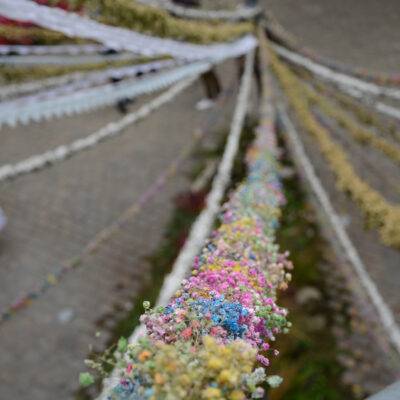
[[214, 339]]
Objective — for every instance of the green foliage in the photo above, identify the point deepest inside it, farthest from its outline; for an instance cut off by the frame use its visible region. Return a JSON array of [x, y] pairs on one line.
[[86, 379]]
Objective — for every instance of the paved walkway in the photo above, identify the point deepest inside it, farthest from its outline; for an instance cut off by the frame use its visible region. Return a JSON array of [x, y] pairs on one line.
[[53, 213]]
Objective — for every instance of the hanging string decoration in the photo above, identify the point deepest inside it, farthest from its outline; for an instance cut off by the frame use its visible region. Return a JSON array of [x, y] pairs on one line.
[[379, 213]]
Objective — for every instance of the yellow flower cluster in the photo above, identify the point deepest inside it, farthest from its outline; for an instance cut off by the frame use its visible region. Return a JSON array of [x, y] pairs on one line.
[[19, 74], [377, 210], [182, 376], [362, 113], [150, 20], [359, 133], [19, 34]]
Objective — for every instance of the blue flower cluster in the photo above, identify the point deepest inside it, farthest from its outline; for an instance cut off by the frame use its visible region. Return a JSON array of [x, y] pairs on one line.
[[129, 391], [125, 391], [223, 313]]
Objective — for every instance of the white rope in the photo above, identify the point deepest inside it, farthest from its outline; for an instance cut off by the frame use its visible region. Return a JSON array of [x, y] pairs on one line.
[[94, 98], [383, 108], [93, 76], [17, 89], [241, 13], [73, 25], [336, 77], [110, 130], [203, 224], [72, 49], [92, 79], [386, 316]]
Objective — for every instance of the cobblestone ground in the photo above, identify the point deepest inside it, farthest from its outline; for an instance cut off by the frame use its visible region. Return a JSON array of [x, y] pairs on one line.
[[55, 212]]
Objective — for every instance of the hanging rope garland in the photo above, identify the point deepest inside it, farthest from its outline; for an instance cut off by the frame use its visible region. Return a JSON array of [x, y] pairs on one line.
[[387, 318], [74, 25], [337, 77], [112, 129], [360, 134], [364, 114], [71, 49], [94, 98], [91, 80], [379, 213]]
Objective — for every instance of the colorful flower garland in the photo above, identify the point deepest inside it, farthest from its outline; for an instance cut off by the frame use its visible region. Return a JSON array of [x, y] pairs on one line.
[[212, 340]]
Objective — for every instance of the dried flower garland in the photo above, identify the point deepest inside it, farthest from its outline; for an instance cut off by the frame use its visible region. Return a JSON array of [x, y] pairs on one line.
[[137, 17], [20, 74], [378, 211], [34, 35], [149, 20], [74, 25], [214, 338], [360, 134], [361, 111]]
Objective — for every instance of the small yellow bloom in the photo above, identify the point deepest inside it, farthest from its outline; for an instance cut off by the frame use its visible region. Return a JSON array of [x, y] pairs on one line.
[[208, 341], [184, 380], [211, 394], [236, 395], [223, 376], [215, 363], [247, 369]]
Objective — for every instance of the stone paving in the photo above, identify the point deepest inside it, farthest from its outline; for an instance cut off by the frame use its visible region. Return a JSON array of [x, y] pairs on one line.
[[54, 213]]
